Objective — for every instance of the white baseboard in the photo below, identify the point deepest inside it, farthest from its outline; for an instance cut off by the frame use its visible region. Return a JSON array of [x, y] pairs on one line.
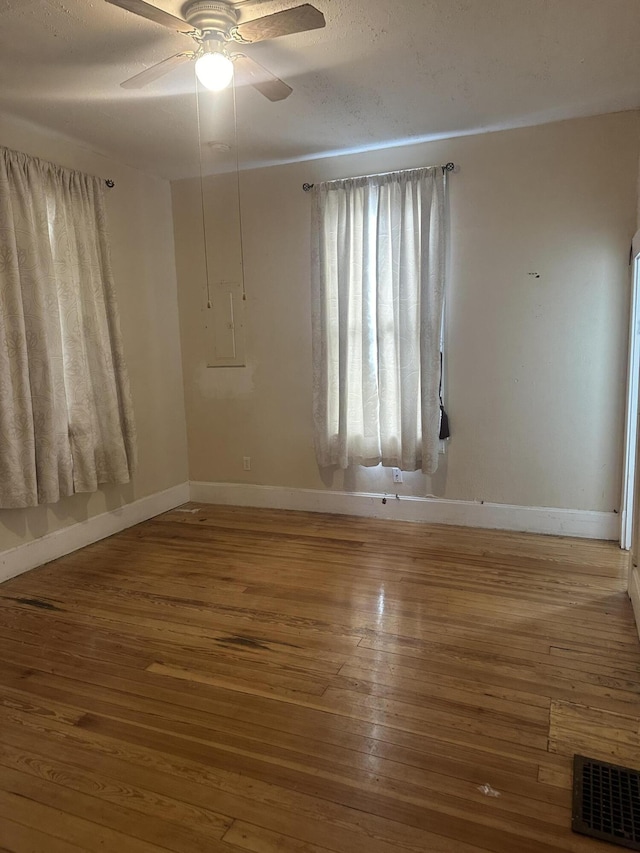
[[22, 558], [634, 595], [558, 522]]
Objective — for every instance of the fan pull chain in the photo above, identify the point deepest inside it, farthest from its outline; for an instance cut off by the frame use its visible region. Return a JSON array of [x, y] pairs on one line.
[[204, 224], [235, 125]]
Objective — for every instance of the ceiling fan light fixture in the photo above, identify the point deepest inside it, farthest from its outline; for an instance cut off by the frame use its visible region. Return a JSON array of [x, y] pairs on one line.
[[214, 70]]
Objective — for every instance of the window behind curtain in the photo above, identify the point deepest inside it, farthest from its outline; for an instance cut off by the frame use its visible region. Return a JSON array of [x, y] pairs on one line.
[[378, 273], [66, 419]]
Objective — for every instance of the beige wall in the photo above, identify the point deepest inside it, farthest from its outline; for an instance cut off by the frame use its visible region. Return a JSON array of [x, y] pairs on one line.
[[536, 366], [634, 554], [139, 210]]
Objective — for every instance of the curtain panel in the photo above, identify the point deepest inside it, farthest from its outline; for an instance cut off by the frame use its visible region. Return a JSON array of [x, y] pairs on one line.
[[379, 247], [66, 417]]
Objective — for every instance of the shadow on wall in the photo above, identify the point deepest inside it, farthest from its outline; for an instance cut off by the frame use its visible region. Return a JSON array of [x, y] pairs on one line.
[[34, 522]]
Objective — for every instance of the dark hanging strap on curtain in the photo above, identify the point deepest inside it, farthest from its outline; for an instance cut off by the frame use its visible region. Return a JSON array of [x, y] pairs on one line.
[[444, 418]]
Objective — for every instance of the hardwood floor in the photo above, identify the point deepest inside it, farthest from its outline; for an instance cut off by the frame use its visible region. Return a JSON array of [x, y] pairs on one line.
[[249, 680]]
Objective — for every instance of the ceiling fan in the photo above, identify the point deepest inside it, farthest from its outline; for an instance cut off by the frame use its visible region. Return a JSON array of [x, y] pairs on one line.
[[213, 24]]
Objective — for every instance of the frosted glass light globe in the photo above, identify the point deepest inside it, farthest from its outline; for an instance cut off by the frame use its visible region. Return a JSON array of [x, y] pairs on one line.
[[214, 71]]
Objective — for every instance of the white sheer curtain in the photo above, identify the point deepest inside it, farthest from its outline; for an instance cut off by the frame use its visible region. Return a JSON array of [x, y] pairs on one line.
[[66, 420], [378, 274]]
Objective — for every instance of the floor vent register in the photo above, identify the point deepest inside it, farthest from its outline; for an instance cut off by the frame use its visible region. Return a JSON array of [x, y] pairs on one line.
[[606, 802]]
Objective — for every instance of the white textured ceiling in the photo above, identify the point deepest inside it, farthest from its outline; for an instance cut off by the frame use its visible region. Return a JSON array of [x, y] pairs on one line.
[[380, 72]]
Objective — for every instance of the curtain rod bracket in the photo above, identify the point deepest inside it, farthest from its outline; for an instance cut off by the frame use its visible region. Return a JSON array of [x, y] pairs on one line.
[[448, 167]]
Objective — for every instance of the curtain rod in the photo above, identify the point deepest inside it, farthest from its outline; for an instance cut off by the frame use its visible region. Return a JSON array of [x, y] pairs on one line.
[[447, 167]]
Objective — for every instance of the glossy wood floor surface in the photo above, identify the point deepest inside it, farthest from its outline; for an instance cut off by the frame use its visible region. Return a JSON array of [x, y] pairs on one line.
[[249, 680]]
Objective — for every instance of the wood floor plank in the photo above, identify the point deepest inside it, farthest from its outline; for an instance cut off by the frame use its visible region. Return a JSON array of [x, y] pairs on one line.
[[24, 807], [256, 680], [146, 814], [262, 724], [133, 829], [28, 839], [561, 777], [259, 840], [419, 687], [274, 808], [594, 732]]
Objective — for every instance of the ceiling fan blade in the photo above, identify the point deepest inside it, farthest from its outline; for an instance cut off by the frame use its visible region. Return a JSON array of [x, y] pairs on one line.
[[296, 20], [158, 70], [159, 16], [249, 72]]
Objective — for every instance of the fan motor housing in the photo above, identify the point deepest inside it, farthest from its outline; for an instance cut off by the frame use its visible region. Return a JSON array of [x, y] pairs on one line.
[[211, 16]]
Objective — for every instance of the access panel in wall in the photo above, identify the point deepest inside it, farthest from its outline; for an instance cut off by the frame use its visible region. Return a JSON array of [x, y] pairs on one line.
[[224, 326]]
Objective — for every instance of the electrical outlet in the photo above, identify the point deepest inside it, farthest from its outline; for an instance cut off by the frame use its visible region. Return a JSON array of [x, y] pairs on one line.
[[246, 463], [397, 475]]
